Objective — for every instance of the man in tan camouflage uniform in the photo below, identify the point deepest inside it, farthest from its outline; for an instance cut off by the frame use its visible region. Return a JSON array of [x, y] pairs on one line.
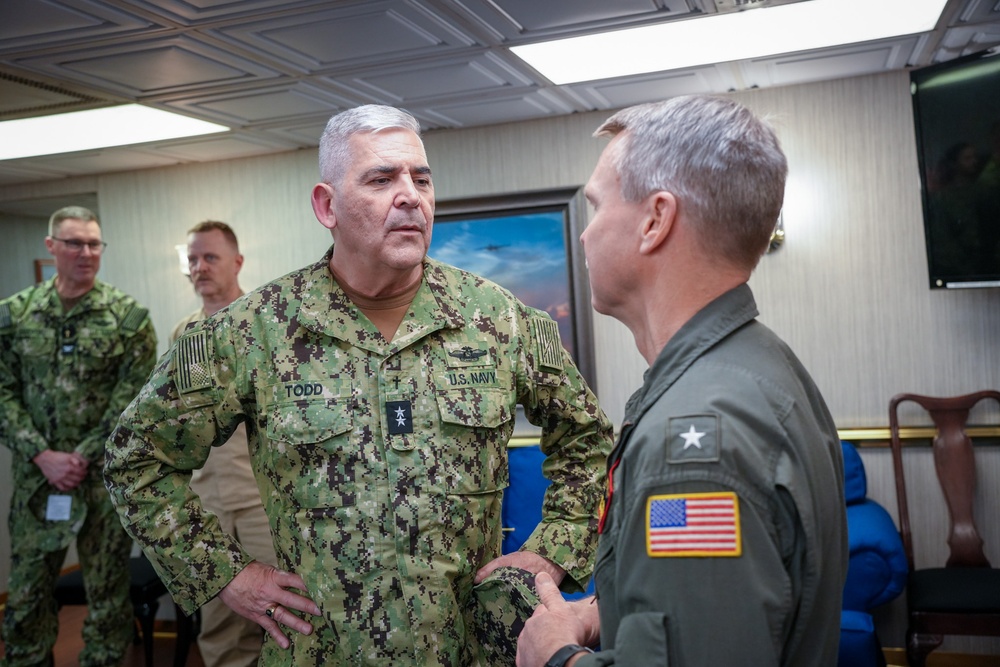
[[379, 391], [73, 352], [226, 484]]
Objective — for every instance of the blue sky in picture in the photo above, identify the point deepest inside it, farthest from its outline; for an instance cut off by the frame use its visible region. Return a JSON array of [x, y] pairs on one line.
[[526, 253]]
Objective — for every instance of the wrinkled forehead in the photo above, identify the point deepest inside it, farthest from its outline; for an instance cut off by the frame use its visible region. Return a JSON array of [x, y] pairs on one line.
[[390, 145]]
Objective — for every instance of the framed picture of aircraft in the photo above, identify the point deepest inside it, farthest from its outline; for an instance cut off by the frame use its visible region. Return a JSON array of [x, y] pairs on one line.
[[530, 244]]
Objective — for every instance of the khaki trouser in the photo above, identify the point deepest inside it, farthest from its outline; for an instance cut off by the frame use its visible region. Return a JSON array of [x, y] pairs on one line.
[[226, 638]]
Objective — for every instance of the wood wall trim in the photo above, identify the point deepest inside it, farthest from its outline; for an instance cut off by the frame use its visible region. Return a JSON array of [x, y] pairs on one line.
[[880, 436]]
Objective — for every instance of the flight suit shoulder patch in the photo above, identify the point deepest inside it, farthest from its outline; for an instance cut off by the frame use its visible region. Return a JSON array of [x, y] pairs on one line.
[[694, 438], [191, 362], [548, 345], [693, 525]]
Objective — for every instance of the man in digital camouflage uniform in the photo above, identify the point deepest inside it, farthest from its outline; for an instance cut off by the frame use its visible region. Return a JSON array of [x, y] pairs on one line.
[[73, 352], [725, 538], [226, 483], [379, 391]]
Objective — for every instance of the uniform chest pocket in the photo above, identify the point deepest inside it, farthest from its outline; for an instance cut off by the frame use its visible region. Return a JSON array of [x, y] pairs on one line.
[[98, 349], [36, 345], [474, 408], [310, 460], [471, 450]]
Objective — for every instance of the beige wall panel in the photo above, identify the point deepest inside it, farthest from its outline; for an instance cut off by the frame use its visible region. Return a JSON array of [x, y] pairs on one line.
[[146, 214], [23, 243]]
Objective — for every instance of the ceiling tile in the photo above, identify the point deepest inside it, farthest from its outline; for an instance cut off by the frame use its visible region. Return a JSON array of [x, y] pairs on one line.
[[195, 12], [449, 77], [964, 40], [228, 147], [143, 68], [370, 33], [98, 162], [626, 91], [305, 133], [31, 24], [19, 96], [523, 20], [268, 104], [835, 63], [493, 110], [977, 11], [17, 172]]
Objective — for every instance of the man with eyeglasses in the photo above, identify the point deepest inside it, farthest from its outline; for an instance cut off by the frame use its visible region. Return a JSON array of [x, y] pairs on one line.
[[73, 353]]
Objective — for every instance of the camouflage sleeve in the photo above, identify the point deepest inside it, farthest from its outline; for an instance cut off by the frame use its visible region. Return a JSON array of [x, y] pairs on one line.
[[187, 406], [136, 364], [576, 439], [17, 431]]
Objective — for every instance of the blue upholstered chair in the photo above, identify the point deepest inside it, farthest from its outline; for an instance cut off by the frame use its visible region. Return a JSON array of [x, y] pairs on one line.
[[522, 501], [876, 571]]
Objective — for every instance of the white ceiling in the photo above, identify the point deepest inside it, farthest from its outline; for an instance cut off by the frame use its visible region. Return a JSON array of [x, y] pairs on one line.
[[275, 71]]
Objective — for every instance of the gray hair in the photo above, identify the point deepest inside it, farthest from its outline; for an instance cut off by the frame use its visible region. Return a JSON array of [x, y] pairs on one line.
[[70, 213], [724, 165], [334, 153]]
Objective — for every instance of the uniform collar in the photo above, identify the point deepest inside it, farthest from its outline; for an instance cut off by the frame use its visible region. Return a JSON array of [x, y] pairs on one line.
[[710, 325], [48, 299], [326, 308]]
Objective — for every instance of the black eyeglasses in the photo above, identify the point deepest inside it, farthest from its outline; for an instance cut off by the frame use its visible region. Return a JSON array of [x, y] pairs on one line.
[[96, 247]]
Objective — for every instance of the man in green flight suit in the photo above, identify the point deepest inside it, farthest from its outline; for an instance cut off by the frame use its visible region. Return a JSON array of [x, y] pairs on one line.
[[379, 389], [724, 538], [73, 352]]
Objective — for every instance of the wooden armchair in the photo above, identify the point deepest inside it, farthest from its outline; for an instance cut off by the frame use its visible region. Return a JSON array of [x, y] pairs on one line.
[[963, 596]]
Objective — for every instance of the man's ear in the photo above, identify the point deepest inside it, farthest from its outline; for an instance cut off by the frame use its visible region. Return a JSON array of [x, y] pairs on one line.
[[50, 245], [322, 203], [660, 219]]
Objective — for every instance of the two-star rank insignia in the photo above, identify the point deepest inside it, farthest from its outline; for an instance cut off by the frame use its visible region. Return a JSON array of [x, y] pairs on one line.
[[399, 414], [467, 354]]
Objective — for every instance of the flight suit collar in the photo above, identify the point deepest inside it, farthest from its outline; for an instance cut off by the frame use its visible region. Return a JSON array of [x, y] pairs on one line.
[[708, 327], [326, 308]]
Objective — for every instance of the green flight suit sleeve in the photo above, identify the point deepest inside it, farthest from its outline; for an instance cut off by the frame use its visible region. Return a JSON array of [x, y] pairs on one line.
[[688, 619], [17, 430], [187, 406], [139, 341], [576, 439]]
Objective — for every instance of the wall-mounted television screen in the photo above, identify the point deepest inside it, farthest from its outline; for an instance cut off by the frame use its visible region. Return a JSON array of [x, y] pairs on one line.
[[956, 113]]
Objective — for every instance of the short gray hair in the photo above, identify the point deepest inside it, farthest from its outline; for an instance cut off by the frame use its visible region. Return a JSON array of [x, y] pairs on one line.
[[70, 213], [724, 165], [333, 145]]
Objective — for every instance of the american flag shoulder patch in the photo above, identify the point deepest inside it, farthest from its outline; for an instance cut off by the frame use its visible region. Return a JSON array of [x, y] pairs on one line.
[[134, 318], [549, 349], [693, 524], [191, 359]]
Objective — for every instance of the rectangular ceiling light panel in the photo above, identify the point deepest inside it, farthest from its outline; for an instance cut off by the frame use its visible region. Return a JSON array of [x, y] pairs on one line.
[[96, 128], [718, 38]]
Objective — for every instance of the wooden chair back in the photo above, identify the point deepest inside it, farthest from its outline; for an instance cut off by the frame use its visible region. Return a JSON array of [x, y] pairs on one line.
[[954, 463]]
